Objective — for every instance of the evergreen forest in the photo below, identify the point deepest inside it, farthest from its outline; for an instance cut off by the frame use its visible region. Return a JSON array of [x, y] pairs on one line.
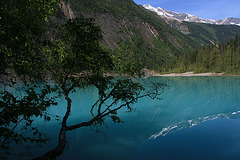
[[211, 58]]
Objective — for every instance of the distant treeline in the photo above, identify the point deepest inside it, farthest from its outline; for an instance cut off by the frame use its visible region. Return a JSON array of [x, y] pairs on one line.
[[212, 58]]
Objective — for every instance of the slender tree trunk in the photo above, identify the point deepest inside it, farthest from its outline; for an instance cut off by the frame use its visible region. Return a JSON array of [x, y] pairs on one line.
[[58, 150]]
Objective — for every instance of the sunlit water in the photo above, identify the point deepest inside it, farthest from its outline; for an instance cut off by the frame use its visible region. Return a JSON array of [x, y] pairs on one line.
[[198, 118]]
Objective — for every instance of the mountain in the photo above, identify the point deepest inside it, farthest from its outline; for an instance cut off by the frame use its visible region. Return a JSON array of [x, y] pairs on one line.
[[170, 15], [137, 35], [201, 31], [134, 34]]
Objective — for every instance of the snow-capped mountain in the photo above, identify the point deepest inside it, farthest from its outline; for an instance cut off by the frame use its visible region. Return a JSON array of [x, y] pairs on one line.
[[190, 18]]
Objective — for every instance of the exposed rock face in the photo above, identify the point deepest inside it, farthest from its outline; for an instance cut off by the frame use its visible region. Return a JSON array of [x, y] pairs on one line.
[[111, 29], [119, 30], [180, 26], [67, 10]]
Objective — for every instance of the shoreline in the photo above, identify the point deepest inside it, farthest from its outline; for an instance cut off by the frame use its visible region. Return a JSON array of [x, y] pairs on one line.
[[149, 73], [187, 74]]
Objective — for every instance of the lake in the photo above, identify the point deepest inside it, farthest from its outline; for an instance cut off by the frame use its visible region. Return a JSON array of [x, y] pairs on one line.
[[198, 118]]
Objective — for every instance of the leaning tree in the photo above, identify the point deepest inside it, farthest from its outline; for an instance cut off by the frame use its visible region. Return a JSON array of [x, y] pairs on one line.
[[74, 61], [79, 61]]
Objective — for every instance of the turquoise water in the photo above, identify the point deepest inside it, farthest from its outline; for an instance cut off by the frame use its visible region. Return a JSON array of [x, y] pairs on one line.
[[198, 118]]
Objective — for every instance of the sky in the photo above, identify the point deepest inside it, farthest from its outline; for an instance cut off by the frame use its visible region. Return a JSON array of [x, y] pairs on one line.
[[210, 9]]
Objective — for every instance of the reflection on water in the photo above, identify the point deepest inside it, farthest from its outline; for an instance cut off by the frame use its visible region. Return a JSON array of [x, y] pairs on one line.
[[194, 122], [187, 102]]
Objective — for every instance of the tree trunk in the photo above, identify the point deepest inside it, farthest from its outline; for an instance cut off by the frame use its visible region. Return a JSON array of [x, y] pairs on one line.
[[57, 151], [53, 154]]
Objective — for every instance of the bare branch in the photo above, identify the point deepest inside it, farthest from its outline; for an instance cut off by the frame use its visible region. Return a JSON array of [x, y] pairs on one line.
[[91, 111]]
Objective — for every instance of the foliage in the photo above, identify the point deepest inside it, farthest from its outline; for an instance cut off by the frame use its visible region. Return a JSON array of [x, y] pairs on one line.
[[140, 53], [22, 38], [17, 112], [22, 26]]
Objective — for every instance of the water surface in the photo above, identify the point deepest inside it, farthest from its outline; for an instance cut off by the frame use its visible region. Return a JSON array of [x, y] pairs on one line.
[[198, 118]]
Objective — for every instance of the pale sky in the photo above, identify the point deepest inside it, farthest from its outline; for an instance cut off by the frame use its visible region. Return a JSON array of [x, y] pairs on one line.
[[211, 9]]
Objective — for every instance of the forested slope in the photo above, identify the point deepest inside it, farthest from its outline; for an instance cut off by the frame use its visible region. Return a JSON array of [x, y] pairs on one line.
[[212, 58]]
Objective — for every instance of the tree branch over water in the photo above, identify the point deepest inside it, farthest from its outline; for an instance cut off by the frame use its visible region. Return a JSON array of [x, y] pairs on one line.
[[120, 97]]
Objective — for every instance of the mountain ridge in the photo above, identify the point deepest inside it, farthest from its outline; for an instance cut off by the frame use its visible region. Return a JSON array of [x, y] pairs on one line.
[[171, 15]]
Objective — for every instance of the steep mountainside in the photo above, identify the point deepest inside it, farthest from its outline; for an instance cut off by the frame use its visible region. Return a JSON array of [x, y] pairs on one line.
[[132, 32], [137, 35], [124, 20]]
